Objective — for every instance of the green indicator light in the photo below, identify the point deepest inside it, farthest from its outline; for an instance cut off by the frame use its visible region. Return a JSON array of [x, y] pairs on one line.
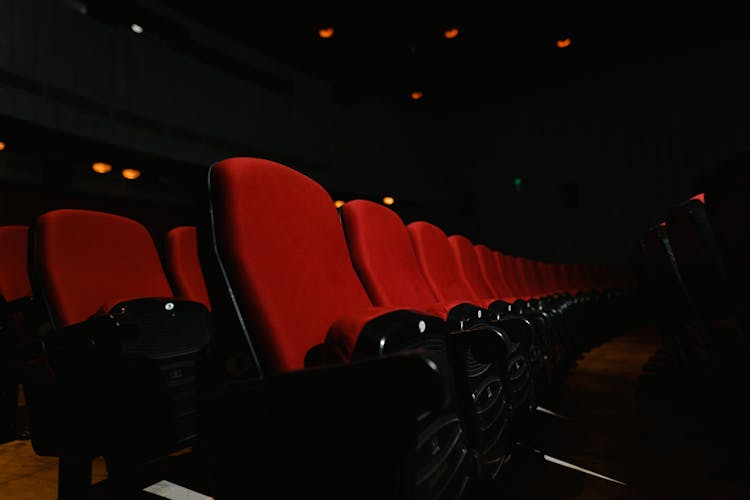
[[517, 181]]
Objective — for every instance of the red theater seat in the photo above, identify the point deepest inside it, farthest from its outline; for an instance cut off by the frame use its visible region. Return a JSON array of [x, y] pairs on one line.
[[441, 270], [470, 269], [15, 309], [385, 261], [499, 281], [667, 302], [117, 374], [360, 398], [719, 315], [183, 266]]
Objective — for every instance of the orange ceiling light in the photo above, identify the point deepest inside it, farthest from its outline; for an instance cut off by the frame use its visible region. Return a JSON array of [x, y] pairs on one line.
[[339, 203], [388, 200], [325, 32], [2, 145], [101, 168], [131, 173], [416, 95], [450, 33], [563, 43]]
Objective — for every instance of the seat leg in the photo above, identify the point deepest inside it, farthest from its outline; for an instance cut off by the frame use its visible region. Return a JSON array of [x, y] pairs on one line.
[[74, 477]]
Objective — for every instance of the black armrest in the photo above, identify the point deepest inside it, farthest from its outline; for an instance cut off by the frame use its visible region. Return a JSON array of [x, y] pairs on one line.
[[465, 315], [341, 428], [395, 331], [124, 382], [487, 344], [98, 332], [150, 326], [519, 328]]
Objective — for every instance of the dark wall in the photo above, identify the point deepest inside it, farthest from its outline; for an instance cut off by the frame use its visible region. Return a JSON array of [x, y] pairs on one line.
[[599, 161], [604, 159]]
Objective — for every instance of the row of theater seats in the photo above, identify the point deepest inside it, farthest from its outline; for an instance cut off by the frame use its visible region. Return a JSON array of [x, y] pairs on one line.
[[290, 346], [693, 273]]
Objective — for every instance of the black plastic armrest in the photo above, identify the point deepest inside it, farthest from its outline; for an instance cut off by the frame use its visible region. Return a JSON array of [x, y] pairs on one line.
[[486, 343], [411, 379], [341, 427], [404, 384], [111, 330], [150, 304], [519, 328], [99, 331], [465, 315], [395, 330]]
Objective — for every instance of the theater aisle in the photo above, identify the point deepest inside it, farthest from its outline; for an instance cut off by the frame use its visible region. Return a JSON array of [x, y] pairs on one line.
[[632, 420]]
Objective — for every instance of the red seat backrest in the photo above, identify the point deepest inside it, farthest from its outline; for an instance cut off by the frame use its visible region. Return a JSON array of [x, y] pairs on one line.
[[86, 261], [383, 256], [183, 265], [468, 263], [439, 264], [495, 278], [284, 256], [14, 277]]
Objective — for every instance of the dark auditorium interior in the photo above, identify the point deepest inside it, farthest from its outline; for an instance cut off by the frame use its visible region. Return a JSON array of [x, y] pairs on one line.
[[408, 251]]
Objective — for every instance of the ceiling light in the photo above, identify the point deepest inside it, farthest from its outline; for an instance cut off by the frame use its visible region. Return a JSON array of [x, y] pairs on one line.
[[416, 95], [563, 43], [101, 168], [388, 200], [450, 33], [131, 173], [325, 32], [339, 203], [137, 28]]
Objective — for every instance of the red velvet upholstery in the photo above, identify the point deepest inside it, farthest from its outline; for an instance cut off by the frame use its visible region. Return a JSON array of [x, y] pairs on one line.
[[384, 258], [468, 263], [183, 266], [517, 278], [496, 278], [440, 266], [14, 278], [287, 262], [383, 255], [87, 260]]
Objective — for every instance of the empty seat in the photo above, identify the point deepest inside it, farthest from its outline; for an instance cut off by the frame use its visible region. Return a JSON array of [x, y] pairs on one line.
[[183, 266], [361, 397], [15, 307], [470, 269], [500, 282], [385, 261], [667, 303], [118, 373], [440, 268], [719, 317]]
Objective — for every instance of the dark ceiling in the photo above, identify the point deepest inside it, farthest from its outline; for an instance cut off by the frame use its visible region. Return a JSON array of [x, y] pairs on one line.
[[502, 51]]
